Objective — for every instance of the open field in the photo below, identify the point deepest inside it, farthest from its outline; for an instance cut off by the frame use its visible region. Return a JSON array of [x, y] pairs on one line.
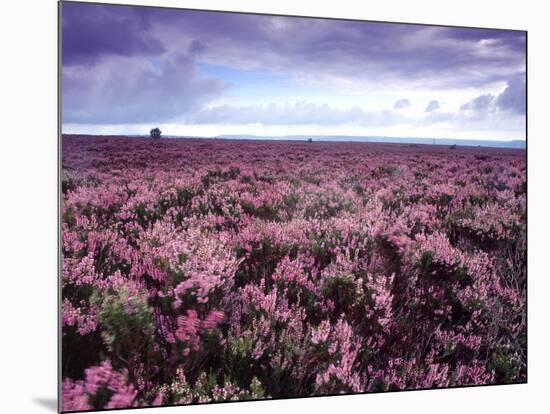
[[209, 270]]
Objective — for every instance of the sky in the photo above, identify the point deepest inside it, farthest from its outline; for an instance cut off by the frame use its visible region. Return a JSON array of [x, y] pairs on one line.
[[196, 73]]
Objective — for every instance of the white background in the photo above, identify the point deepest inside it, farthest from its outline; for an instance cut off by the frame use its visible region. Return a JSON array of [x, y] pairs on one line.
[[28, 226]]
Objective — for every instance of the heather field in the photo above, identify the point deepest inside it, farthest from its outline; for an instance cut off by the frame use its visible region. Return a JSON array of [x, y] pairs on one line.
[[201, 270]]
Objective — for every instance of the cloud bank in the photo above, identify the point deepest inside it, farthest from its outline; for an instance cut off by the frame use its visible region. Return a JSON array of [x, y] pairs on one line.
[[124, 65]]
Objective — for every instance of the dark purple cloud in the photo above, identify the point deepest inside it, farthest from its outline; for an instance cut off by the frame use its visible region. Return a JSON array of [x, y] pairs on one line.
[[130, 90], [481, 103], [513, 97], [133, 64], [91, 32], [357, 50], [511, 40], [342, 48], [432, 106], [196, 47]]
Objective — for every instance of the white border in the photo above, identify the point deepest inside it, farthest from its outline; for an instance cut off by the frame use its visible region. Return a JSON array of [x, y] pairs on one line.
[[28, 204]]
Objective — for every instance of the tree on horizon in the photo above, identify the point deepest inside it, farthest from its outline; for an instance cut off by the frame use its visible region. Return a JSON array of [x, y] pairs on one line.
[[155, 133]]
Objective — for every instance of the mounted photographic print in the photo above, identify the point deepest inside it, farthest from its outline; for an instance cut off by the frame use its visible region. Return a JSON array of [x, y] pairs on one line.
[[263, 207]]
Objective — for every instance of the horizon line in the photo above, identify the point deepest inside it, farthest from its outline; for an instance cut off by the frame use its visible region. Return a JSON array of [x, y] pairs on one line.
[[273, 137], [482, 143]]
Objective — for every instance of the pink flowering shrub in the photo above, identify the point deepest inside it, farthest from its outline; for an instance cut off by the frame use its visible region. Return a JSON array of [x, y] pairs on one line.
[[102, 387], [200, 270]]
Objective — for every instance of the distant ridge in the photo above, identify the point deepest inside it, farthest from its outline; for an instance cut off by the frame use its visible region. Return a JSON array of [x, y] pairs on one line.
[[512, 144], [395, 140]]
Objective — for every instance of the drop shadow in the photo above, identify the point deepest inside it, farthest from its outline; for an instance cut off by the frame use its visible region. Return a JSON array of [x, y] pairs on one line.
[[49, 403]]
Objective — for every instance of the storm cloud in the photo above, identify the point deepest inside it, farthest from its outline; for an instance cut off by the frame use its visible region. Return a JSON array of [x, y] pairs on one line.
[[129, 90], [127, 64], [513, 97], [481, 103], [92, 32]]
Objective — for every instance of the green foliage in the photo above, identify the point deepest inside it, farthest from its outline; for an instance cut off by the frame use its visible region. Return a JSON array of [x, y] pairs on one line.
[[329, 205], [101, 397], [426, 260], [69, 217], [506, 366], [264, 212], [384, 171], [342, 291], [290, 201], [256, 389], [125, 318]]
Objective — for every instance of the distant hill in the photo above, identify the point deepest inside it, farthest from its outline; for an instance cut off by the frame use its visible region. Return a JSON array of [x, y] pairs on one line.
[[397, 140], [514, 144]]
